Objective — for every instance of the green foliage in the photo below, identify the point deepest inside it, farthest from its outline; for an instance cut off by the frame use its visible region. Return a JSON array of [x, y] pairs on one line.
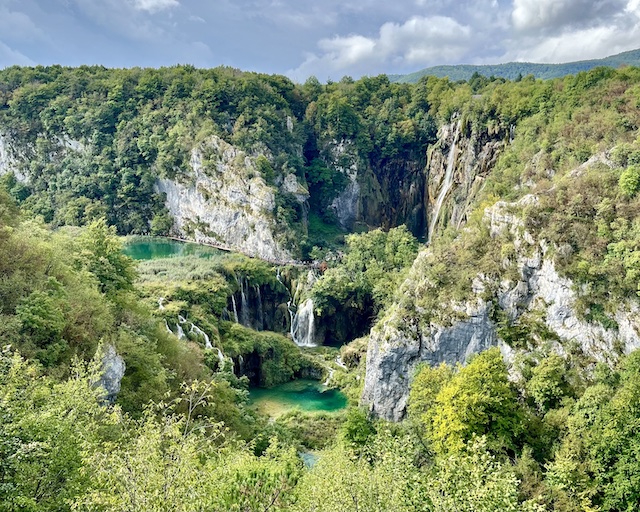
[[548, 384], [102, 252], [629, 182], [476, 400], [46, 427], [372, 266], [357, 429]]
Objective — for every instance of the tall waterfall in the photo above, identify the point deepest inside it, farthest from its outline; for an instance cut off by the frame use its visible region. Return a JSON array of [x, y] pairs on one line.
[[446, 184]]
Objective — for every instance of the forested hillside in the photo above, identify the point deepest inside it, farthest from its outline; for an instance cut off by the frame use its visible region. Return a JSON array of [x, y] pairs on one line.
[[460, 259], [517, 70]]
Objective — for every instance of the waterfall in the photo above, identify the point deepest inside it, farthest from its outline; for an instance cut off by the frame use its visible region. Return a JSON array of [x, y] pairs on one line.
[[446, 184], [329, 377], [180, 333], [260, 325], [240, 364], [244, 306], [302, 325], [235, 308], [160, 303], [167, 326], [196, 330], [220, 357]]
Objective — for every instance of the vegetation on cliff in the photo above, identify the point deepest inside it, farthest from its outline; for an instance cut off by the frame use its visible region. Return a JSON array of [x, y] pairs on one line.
[[559, 434]]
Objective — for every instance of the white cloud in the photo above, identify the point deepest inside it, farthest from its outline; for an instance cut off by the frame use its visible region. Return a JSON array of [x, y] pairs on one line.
[[554, 15], [590, 43], [569, 30], [420, 41], [155, 5]]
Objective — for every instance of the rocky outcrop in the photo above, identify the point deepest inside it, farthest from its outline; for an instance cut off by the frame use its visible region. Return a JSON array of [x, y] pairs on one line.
[[540, 288], [9, 163], [224, 201], [347, 205], [402, 341], [112, 371]]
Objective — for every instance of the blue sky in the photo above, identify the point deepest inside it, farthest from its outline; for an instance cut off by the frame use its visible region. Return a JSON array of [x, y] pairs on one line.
[[325, 38]]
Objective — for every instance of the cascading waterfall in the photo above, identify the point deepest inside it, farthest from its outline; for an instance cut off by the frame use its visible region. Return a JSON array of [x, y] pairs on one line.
[[302, 320], [160, 303], [199, 332], [446, 184], [180, 332], [303, 325]]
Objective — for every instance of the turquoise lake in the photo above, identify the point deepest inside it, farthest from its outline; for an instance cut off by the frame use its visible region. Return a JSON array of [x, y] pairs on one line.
[[305, 395]]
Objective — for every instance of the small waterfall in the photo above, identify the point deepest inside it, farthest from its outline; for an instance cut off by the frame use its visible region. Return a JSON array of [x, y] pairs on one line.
[[160, 303], [167, 326], [329, 377], [196, 330], [446, 184], [260, 324], [235, 308], [303, 325], [180, 332], [341, 364], [240, 364], [244, 305], [220, 357]]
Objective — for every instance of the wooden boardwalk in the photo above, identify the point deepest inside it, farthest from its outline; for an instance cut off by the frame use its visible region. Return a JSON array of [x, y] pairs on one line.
[[279, 263]]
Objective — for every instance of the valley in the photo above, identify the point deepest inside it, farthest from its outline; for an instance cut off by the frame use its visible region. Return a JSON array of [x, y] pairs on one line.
[[432, 288]]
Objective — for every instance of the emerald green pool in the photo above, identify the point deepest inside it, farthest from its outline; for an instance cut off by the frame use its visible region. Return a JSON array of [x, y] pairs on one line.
[[305, 395], [157, 248]]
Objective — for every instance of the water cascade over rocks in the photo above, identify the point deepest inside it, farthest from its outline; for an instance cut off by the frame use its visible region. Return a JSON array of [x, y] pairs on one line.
[[303, 325]]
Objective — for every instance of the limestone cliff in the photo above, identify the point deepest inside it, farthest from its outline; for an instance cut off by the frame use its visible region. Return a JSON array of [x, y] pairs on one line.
[[10, 159], [223, 200], [530, 288], [457, 165]]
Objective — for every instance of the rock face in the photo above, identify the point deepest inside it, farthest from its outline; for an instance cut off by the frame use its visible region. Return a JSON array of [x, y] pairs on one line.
[[398, 345], [113, 369], [8, 161], [401, 341], [457, 165], [224, 201], [540, 288], [384, 193]]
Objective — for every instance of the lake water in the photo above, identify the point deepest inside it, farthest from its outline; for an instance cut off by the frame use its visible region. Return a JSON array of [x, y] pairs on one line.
[[157, 248], [306, 395]]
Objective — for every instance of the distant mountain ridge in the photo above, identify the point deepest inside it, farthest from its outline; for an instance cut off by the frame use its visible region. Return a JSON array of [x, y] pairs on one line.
[[512, 70]]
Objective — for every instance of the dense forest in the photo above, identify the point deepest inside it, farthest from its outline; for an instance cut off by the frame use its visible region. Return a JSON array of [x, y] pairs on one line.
[[535, 422]]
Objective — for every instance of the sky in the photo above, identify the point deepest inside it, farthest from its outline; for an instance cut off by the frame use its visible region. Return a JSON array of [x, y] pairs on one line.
[[325, 38]]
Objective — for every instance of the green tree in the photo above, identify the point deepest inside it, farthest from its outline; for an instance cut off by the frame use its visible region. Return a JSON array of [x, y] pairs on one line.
[[477, 401], [103, 257]]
